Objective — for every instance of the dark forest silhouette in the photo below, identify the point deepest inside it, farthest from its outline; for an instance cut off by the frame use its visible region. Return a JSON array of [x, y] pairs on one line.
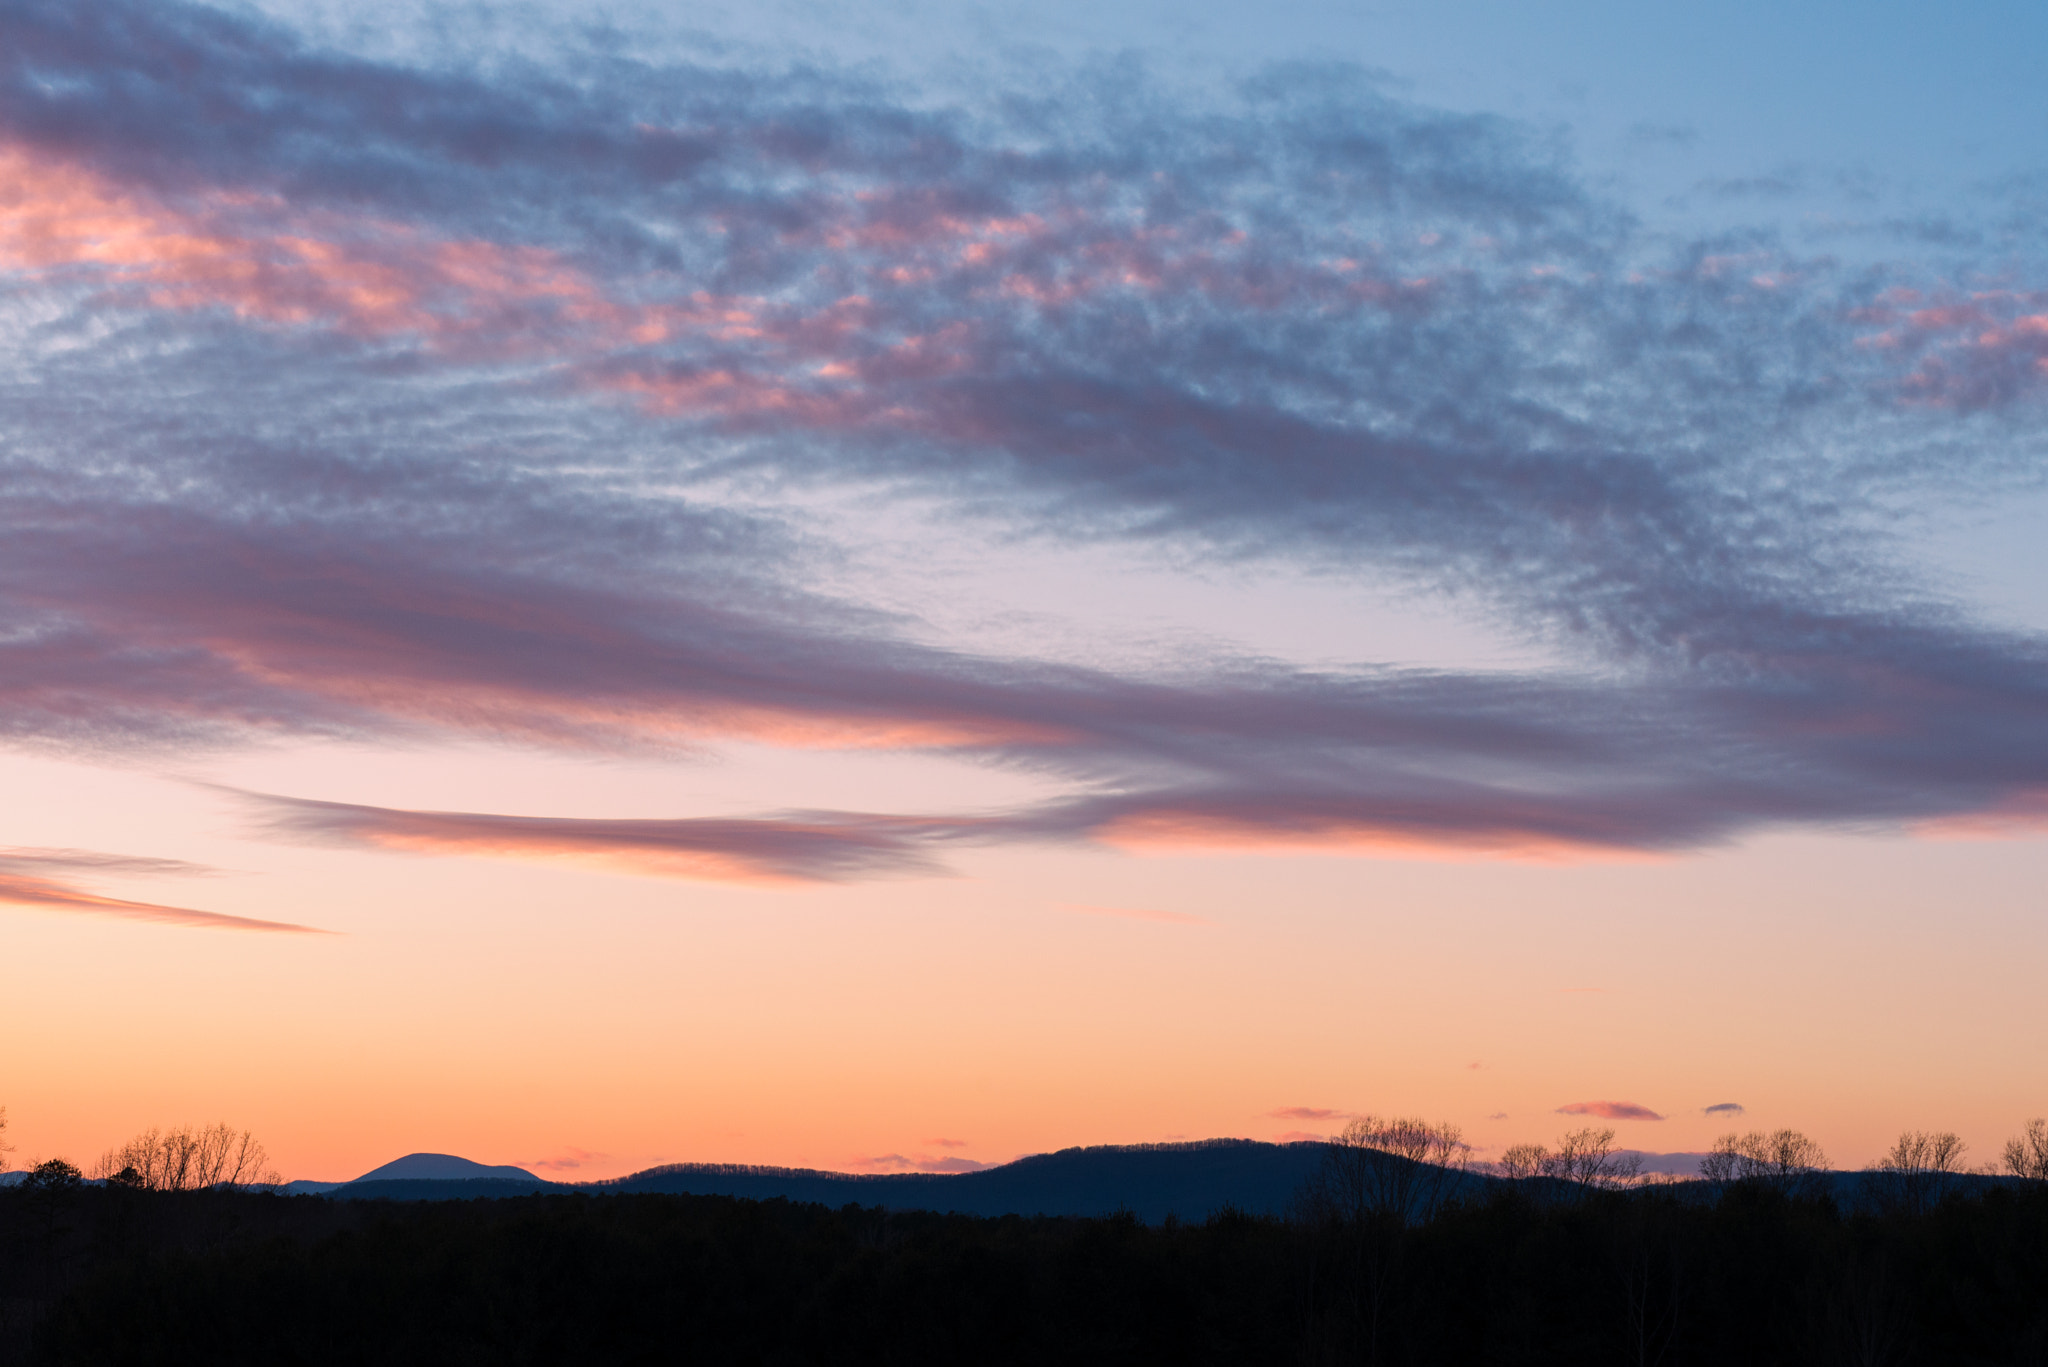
[[1393, 1249]]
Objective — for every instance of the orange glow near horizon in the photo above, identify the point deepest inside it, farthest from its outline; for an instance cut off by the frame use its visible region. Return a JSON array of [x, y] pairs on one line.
[[541, 1013]]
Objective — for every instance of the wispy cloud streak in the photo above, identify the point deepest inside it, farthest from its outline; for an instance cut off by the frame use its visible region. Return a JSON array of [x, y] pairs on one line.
[[35, 878], [818, 847]]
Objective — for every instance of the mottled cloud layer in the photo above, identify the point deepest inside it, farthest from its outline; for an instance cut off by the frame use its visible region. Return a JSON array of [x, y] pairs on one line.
[[349, 398]]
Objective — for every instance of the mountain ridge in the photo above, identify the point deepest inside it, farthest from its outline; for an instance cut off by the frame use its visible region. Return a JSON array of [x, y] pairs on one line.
[[1189, 1180]]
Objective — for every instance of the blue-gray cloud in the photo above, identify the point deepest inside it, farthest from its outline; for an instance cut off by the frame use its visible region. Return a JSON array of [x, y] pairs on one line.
[[803, 847], [354, 398]]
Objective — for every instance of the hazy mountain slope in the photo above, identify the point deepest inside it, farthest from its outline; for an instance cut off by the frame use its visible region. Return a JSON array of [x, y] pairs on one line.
[[1151, 1181]]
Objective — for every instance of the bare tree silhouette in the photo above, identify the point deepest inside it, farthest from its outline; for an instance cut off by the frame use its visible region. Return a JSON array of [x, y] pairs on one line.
[[1379, 1177], [1585, 1159], [1523, 1160], [1404, 1168], [2027, 1155], [1784, 1160], [1918, 1171], [188, 1159]]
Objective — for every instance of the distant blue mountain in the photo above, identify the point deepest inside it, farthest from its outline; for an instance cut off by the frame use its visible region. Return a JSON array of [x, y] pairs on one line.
[[1668, 1164], [425, 1177], [440, 1189], [1151, 1181], [443, 1167]]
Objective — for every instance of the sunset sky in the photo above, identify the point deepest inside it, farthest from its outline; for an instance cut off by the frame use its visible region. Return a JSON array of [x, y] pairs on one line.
[[890, 587]]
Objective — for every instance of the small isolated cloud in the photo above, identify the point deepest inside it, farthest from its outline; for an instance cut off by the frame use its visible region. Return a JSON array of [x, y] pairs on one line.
[[881, 1162], [1610, 1110], [1724, 1108], [1297, 1137], [567, 1160], [1498, 1115], [946, 1143], [1307, 1113], [1172, 918], [1476, 1063], [896, 1162]]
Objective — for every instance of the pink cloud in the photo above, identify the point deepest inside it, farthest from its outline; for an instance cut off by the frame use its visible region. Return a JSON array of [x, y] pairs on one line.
[[567, 1160], [2024, 812], [887, 1162], [259, 259], [946, 1143], [1398, 835], [1610, 1110], [896, 1162], [1308, 1113], [1982, 350]]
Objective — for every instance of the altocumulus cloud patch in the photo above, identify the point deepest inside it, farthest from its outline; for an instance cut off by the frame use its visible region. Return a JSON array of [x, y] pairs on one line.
[[460, 358]]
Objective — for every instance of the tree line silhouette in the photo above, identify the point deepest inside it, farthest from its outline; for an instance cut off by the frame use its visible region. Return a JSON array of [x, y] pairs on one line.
[[1399, 1249]]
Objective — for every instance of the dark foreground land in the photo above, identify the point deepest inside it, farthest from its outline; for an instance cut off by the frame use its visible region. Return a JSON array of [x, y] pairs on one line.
[[107, 1276]]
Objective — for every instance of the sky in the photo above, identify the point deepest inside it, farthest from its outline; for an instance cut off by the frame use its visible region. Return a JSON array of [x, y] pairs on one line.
[[891, 587]]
